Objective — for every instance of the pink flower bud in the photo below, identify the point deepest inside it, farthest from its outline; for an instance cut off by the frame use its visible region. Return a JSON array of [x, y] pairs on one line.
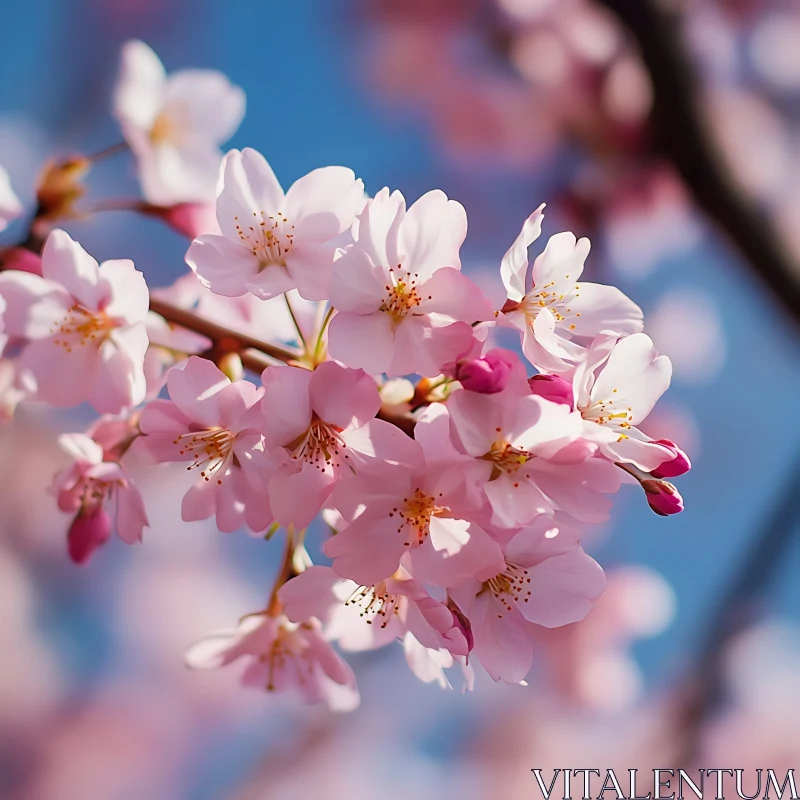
[[23, 260], [663, 497], [87, 532], [679, 465], [553, 388], [487, 375]]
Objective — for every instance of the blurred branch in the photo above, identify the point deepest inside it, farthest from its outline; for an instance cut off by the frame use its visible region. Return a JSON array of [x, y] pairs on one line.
[[681, 134], [737, 608]]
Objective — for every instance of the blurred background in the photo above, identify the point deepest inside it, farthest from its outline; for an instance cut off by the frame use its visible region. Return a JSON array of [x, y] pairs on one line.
[[683, 167]]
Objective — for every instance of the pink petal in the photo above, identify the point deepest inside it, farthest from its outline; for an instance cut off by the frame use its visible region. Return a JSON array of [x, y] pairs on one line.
[[563, 589], [310, 594], [297, 496], [432, 233], [66, 262], [63, 378], [323, 203], [514, 266], [368, 550], [343, 397], [129, 296], [362, 342], [131, 515], [286, 405], [195, 389], [357, 284], [223, 265], [249, 185], [453, 297], [561, 262]]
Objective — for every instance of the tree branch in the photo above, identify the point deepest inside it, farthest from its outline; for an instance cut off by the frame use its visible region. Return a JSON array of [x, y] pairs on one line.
[[218, 333], [681, 134]]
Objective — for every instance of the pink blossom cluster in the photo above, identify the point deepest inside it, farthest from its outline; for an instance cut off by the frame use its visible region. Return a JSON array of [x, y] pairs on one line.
[[327, 358]]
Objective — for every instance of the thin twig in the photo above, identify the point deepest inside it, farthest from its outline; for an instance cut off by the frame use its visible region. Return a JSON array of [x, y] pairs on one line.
[[218, 333]]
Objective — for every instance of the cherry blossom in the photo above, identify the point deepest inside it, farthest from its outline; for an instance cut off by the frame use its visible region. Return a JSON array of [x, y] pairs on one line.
[[86, 488], [272, 242], [319, 426], [527, 459], [281, 656], [403, 304], [325, 358], [575, 309], [82, 327], [546, 579], [175, 124], [616, 387], [212, 424], [366, 617]]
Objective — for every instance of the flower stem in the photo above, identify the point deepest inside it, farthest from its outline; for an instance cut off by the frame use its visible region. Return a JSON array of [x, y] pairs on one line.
[[296, 324], [107, 152]]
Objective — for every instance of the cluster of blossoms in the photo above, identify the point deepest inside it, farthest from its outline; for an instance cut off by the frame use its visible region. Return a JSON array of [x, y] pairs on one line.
[[457, 478]]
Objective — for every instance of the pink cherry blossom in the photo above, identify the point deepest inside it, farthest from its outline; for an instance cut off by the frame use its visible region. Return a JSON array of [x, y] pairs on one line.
[[212, 424], [82, 326], [10, 206], [272, 242], [575, 309], [319, 426], [94, 482], [175, 124], [281, 656], [404, 306], [546, 579], [615, 388], [366, 617], [417, 514], [523, 458]]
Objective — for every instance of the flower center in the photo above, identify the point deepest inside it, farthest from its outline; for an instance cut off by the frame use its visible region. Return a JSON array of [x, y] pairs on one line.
[[551, 298], [509, 586], [165, 130], [603, 413], [505, 458], [401, 294], [321, 445], [211, 450], [269, 238], [415, 515], [288, 648], [81, 327], [95, 493], [375, 602]]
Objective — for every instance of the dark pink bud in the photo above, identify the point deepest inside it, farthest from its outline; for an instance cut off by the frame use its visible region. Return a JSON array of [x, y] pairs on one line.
[[553, 388], [487, 375], [675, 467], [461, 622], [663, 497], [22, 259], [87, 532]]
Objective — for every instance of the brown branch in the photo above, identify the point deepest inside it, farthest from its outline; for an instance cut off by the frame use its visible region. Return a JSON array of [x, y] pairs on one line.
[[219, 333], [681, 134]]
